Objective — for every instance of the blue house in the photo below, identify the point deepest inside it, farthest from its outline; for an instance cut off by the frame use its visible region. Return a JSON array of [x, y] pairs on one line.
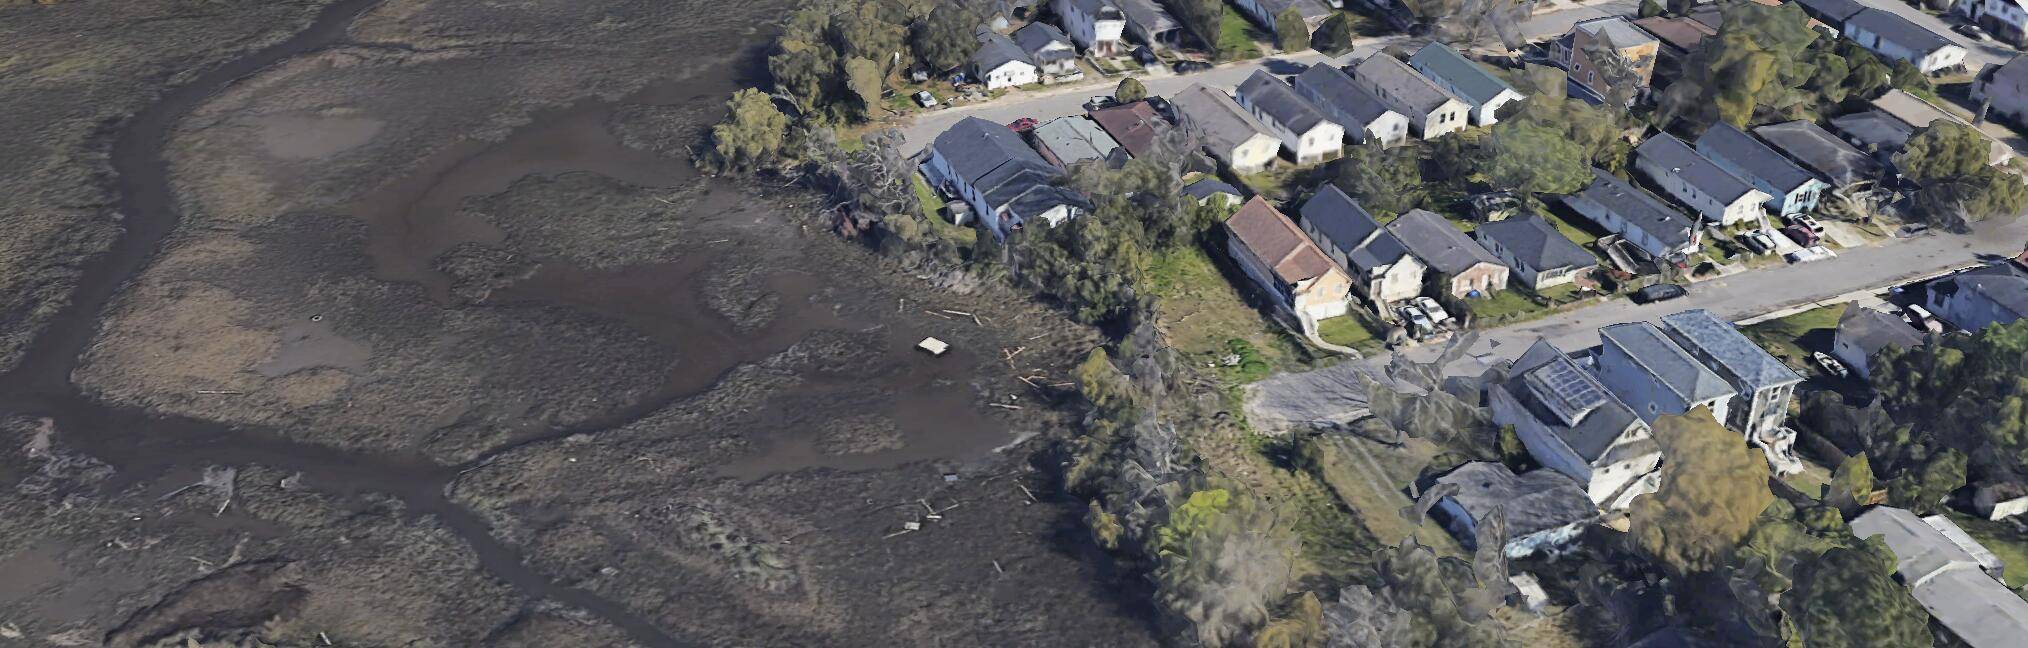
[[1792, 189]]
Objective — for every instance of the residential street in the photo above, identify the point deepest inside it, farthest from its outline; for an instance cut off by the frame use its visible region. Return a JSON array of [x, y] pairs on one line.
[[1046, 103]]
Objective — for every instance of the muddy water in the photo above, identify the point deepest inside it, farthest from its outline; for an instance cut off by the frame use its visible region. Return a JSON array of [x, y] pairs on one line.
[[412, 220]]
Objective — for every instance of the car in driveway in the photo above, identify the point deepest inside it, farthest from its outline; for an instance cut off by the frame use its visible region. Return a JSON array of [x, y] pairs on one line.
[[1435, 311], [1972, 31], [1801, 235], [1756, 241], [1418, 322], [1187, 66], [925, 99], [1659, 293], [1100, 102]]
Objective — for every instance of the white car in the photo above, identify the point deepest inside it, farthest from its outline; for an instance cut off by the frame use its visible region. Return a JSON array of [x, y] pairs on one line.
[[1436, 313], [1830, 365], [925, 99], [1418, 322]]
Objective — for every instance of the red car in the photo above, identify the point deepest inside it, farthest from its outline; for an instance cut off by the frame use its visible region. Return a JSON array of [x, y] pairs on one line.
[[1023, 124], [1801, 235]]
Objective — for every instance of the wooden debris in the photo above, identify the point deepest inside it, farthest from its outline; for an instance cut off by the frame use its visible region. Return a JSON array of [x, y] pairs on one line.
[[996, 567], [1025, 491], [934, 346], [1005, 406]]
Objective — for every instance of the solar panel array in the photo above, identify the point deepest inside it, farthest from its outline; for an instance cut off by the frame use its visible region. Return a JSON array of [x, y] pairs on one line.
[[1568, 388]]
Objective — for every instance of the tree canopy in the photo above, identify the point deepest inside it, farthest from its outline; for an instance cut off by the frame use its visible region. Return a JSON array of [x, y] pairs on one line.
[[1291, 33], [1713, 488], [1386, 181], [1848, 597], [944, 40], [1130, 89], [1757, 59], [751, 134], [1537, 159]]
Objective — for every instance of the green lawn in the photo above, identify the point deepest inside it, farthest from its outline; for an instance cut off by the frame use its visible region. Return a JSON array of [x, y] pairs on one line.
[[932, 207], [1347, 331], [1792, 338], [1236, 37], [1583, 233], [932, 204], [1206, 318], [1505, 307]]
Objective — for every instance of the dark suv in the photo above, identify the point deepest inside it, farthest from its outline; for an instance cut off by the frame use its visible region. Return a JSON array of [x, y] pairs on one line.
[[1659, 293]]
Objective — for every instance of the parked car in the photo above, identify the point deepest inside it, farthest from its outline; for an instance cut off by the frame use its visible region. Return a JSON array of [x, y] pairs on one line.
[[1022, 125], [1922, 318], [1801, 235], [1756, 242], [1912, 230], [925, 99], [1418, 322], [1100, 102], [1435, 311], [1812, 253], [1146, 56], [1830, 365], [1807, 222], [1186, 67], [1659, 293], [1162, 107], [1972, 31]]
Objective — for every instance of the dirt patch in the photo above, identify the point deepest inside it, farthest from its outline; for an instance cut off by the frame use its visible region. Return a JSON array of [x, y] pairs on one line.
[[314, 137]]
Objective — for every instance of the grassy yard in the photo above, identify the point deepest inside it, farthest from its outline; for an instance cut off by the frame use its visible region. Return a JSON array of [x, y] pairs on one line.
[[1792, 338], [1348, 331], [932, 207], [2001, 538], [1207, 319], [1236, 38], [1505, 307], [1580, 232]]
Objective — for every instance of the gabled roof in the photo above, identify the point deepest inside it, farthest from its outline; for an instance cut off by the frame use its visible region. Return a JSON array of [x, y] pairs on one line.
[[1365, 244], [1075, 139], [1870, 330], [1820, 151], [1875, 129], [1732, 146], [1569, 400], [1669, 364], [1276, 241], [1437, 243], [1333, 91], [1616, 30], [1092, 7], [1278, 100], [1671, 154], [1216, 117], [1133, 125], [1898, 30], [1748, 366], [1535, 243], [1945, 577], [1400, 85], [2004, 284], [1832, 11], [1207, 187], [996, 50], [1681, 33], [1534, 501], [975, 147], [1472, 83], [1038, 35], [1643, 211], [1148, 14]]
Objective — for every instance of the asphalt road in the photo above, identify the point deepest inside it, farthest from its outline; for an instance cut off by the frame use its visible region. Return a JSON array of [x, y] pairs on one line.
[[1046, 103]]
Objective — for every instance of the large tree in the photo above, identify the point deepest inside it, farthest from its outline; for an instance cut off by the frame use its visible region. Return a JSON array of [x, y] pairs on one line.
[[1713, 488], [1756, 60], [1291, 33], [944, 39], [1225, 561], [1948, 159], [751, 134], [870, 31], [1386, 180], [1536, 158], [1848, 598], [863, 78]]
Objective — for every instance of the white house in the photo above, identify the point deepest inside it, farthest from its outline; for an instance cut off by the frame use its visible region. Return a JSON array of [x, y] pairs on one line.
[[1364, 116], [1762, 386], [1696, 181], [1431, 110], [1228, 131], [1975, 299], [1572, 424], [2006, 20], [1000, 63], [1380, 266], [1301, 127], [1898, 38], [1652, 374], [1047, 47], [1098, 26], [1450, 70], [1864, 332], [1266, 12], [1541, 256], [1956, 579], [1644, 220]]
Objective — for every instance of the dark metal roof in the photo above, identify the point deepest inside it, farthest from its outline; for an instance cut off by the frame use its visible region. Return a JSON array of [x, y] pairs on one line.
[[1534, 501], [1733, 147], [1472, 83], [996, 50], [1875, 129], [1898, 30], [1274, 97], [1334, 92], [1831, 11], [1038, 35], [1354, 232], [1400, 85], [1821, 151], [1669, 364], [1437, 243], [975, 147], [1666, 151], [1750, 367], [1208, 187], [1535, 243], [1645, 212]]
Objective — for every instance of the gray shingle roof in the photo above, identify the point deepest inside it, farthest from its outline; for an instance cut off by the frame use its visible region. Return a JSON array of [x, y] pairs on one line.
[[1334, 92], [1278, 100], [1619, 31], [1898, 30], [1474, 84], [1207, 187], [1535, 243], [1400, 85], [1216, 117], [1750, 367], [1821, 151], [1660, 357], [1546, 380], [1354, 232], [1148, 14], [996, 50], [1534, 501], [2005, 284], [1670, 153], [1437, 243], [975, 147], [1729, 145], [1310, 9], [1831, 11], [1946, 578], [1874, 129], [1644, 211], [1075, 139], [1038, 35], [1870, 331]]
